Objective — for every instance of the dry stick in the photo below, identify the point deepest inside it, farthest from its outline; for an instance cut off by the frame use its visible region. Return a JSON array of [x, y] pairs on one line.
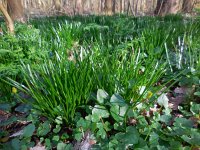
[[9, 21]]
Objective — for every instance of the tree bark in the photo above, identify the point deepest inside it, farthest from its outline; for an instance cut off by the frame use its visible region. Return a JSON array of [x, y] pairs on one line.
[[165, 7], [15, 10], [9, 21], [57, 4], [187, 6], [108, 7]]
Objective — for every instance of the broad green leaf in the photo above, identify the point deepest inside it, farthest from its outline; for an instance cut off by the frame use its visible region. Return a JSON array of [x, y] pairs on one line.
[[28, 130], [48, 143], [44, 128], [99, 112], [23, 108], [101, 96], [83, 123], [56, 138], [118, 112], [153, 140], [106, 126], [142, 145], [113, 144], [197, 94], [116, 99], [63, 146], [131, 136], [5, 107], [142, 121], [57, 129], [64, 136], [101, 132], [159, 147], [183, 122], [59, 120], [165, 118], [15, 143], [195, 108], [9, 121], [193, 138], [175, 144], [78, 136]]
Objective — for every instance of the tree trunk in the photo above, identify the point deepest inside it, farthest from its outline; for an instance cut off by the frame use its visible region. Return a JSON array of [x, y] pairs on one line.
[[187, 6], [57, 4], [79, 7], [108, 7], [165, 7], [9, 22], [113, 6], [15, 10]]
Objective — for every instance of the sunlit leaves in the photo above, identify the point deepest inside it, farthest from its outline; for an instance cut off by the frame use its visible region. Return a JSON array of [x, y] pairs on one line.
[[28, 130], [99, 112]]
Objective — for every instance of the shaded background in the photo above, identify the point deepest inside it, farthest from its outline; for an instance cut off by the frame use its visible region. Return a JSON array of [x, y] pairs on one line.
[[88, 7]]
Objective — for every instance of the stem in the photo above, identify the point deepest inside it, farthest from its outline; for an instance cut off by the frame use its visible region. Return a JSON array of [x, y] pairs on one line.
[[9, 21]]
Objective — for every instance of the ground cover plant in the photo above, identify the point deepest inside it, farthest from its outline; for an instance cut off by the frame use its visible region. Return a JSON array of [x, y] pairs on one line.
[[101, 82]]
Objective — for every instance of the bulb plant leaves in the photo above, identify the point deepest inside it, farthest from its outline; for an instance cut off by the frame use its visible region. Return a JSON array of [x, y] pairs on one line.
[[105, 82]]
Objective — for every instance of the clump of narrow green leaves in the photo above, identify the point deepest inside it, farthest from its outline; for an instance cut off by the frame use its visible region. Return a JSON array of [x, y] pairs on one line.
[[58, 88]]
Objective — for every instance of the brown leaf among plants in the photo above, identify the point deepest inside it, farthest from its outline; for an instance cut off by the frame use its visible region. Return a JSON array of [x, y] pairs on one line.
[[4, 116], [184, 90], [132, 121], [196, 148], [181, 94], [174, 102]]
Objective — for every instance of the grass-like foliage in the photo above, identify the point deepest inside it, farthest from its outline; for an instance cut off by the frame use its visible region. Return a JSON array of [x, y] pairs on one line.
[[58, 88], [123, 82], [119, 55]]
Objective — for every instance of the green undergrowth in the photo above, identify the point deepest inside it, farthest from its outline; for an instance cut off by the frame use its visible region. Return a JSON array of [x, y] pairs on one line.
[[106, 82]]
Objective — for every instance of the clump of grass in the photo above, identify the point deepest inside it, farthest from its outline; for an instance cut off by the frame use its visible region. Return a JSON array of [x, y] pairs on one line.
[[128, 60], [58, 88]]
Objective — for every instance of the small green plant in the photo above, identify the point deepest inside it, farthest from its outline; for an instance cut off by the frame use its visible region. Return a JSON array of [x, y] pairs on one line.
[[22, 47], [141, 128], [58, 88], [66, 60]]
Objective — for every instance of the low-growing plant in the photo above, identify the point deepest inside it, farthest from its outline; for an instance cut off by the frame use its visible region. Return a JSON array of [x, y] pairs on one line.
[[145, 127], [25, 46], [131, 57], [58, 88]]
